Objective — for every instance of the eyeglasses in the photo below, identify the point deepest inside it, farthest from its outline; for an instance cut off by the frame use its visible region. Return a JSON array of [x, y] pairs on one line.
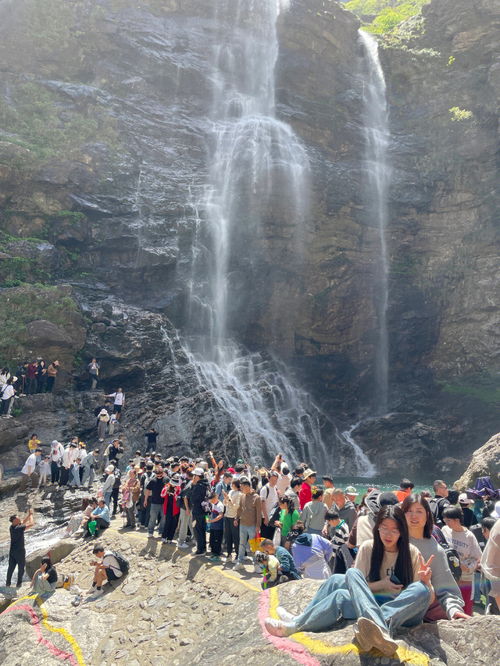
[[384, 530]]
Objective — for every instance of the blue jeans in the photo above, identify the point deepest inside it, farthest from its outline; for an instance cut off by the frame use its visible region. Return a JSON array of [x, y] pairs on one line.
[[348, 596], [246, 532], [107, 497], [155, 511]]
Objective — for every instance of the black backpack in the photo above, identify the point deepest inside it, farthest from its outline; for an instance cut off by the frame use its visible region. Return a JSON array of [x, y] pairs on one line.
[[451, 555], [122, 562], [437, 506]]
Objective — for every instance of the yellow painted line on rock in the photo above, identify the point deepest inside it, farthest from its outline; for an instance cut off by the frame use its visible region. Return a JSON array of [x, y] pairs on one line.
[[254, 588], [56, 630], [317, 646]]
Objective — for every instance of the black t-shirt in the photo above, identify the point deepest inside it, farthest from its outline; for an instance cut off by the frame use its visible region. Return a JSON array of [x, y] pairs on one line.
[[17, 538], [151, 437], [156, 486], [52, 575]]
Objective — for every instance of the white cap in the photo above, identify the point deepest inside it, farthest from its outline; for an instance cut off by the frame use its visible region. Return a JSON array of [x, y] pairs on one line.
[[463, 499], [198, 471]]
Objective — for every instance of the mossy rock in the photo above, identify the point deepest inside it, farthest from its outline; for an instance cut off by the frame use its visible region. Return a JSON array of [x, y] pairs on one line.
[[41, 321]]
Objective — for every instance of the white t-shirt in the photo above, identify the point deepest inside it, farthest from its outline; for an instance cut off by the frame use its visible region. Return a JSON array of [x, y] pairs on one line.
[[269, 497], [466, 545], [109, 560], [8, 392], [56, 452], [119, 398], [283, 483], [30, 464]]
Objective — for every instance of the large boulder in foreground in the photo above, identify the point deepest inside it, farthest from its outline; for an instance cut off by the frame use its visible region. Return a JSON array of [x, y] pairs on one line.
[[485, 462]]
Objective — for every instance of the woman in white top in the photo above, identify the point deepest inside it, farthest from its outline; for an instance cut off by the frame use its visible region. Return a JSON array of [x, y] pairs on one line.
[[231, 531]]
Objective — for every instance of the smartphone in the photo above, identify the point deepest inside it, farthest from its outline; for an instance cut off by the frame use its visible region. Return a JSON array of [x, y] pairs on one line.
[[394, 579]]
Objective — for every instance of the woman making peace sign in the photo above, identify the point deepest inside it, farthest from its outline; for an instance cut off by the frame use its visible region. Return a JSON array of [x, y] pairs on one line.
[[388, 587]]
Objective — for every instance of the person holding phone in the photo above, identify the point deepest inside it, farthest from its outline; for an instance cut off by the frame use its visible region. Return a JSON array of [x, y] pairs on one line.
[[388, 587]]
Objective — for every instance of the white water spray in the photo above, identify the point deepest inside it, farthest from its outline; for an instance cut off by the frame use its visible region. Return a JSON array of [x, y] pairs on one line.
[[377, 138]]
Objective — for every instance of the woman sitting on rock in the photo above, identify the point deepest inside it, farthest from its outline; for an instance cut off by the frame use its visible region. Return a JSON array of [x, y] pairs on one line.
[[388, 587], [448, 603], [44, 579]]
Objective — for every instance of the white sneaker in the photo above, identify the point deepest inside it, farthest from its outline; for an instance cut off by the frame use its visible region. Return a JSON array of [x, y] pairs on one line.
[[369, 633], [183, 546], [278, 627], [239, 566], [285, 615]]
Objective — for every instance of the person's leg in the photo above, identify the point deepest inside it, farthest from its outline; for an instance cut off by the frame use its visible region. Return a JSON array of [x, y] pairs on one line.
[[183, 526], [21, 561], [228, 536], [114, 497], [466, 590], [325, 613], [200, 533], [363, 599], [107, 498], [217, 546], [244, 536], [235, 533], [154, 512], [53, 471], [408, 608], [10, 569]]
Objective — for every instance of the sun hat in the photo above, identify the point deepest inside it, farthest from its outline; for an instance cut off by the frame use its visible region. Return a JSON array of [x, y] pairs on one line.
[[351, 490], [109, 469], [308, 473], [198, 471], [463, 499]]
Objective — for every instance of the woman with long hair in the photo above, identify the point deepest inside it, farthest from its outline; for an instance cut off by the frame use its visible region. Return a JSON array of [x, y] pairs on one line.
[[288, 516], [44, 579], [448, 603], [388, 587]]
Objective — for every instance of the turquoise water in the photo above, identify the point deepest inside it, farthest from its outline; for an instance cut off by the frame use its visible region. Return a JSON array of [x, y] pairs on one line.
[[362, 485]]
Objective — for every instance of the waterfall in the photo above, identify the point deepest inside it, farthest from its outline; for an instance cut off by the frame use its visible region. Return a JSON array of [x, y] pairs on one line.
[[254, 160], [378, 174]]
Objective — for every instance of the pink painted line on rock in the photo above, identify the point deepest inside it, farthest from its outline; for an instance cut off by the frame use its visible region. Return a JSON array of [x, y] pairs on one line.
[[297, 652], [35, 623]]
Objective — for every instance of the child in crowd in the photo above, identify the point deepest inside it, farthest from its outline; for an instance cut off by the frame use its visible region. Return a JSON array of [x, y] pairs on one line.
[[216, 526], [44, 470]]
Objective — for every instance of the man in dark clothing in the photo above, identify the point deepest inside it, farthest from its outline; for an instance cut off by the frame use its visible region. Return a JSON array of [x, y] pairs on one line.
[[17, 551], [197, 496], [440, 501], [153, 491], [151, 437], [115, 452]]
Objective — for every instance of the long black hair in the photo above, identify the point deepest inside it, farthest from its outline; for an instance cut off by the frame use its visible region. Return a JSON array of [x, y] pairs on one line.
[[418, 498], [403, 568]]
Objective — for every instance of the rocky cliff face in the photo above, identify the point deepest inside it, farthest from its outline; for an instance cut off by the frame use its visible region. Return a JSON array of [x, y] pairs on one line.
[[103, 160]]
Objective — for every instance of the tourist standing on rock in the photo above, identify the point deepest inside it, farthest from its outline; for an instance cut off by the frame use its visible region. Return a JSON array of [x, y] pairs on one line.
[[269, 502], [292, 492], [28, 472], [52, 371], [313, 514], [93, 370], [90, 464], [405, 489], [69, 456], [448, 603], [198, 499], [185, 521], [119, 401], [107, 486], [305, 492], [56, 456], [17, 550], [31, 384], [490, 560], [114, 452], [466, 545], [231, 529], [102, 424], [171, 509], [7, 393], [116, 491], [216, 526], [151, 437], [131, 490], [44, 470], [249, 516], [41, 376], [153, 490]]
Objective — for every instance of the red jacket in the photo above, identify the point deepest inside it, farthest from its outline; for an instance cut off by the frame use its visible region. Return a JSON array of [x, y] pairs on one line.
[[305, 495], [173, 498]]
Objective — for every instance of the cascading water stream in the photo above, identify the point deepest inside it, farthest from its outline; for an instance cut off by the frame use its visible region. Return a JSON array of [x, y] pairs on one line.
[[378, 174], [252, 155]]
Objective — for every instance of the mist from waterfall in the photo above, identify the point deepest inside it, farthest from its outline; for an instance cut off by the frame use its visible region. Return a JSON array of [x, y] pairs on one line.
[[378, 174], [252, 155]]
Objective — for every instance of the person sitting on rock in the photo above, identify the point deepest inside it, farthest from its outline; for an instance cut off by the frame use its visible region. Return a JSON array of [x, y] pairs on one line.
[[288, 569], [44, 580], [388, 587], [101, 517], [106, 568]]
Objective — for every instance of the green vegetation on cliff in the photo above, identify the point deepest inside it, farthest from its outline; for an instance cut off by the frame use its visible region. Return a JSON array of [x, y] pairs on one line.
[[382, 16]]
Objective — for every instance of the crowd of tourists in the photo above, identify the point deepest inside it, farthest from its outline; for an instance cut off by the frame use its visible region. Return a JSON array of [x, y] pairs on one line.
[[30, 377], [387, 558]]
